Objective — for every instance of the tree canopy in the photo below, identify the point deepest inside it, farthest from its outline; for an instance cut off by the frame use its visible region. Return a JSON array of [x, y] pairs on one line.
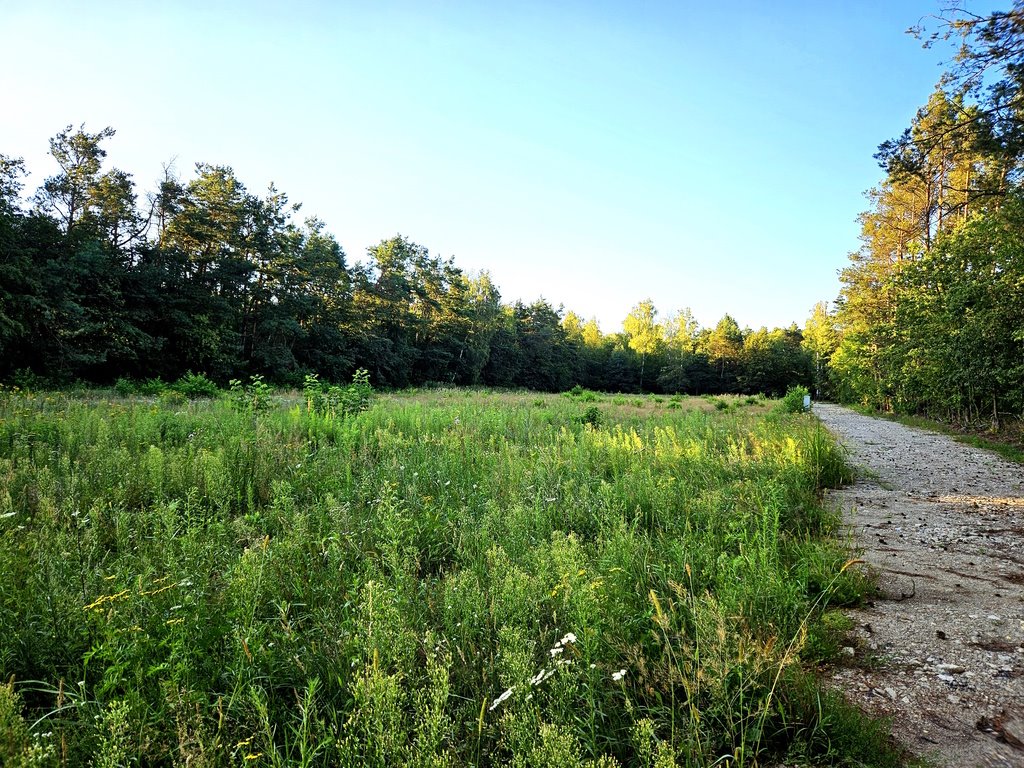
[[100, 282], [930, 313]]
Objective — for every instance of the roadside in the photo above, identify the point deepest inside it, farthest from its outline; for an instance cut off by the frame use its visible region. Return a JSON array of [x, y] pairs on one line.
[[941, 651]]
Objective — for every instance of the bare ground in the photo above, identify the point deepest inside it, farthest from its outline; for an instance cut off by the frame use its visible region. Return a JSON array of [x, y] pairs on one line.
[[941, 651]]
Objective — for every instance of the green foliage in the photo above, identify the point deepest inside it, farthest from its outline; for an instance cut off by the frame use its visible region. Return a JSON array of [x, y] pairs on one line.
[[18, 747], [582, 395], [793, 401], [592, 416], [196, 385], [337, 402], [445, 578], [125, 387], [151, 387], [255, 398], [228, 282], [928, 319]]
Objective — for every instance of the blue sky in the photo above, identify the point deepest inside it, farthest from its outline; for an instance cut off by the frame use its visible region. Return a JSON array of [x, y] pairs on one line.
[[594, 153]]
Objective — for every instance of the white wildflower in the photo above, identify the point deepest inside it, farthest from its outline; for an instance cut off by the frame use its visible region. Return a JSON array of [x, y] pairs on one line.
[[556, 650], [498, 701], [569, 638], [616, 676], [541, 676]]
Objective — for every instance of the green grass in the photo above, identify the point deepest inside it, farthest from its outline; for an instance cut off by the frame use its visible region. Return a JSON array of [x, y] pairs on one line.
[[447, 578]]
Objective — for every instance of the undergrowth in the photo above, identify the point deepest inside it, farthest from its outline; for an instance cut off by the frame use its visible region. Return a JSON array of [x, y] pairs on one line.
[[474, 580]]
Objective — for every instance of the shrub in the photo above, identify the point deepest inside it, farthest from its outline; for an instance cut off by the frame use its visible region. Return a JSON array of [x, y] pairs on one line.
[[151, 387], [195, 385], [582, 395], [254, 398], [793, 401], [334, 401], [125, 387], [592, 416]]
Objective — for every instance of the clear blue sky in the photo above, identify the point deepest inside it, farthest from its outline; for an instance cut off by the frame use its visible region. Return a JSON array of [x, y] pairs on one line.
[[596, 153]]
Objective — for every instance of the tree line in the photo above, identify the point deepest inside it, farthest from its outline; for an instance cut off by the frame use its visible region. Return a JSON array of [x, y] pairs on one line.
[[201, 275], [930, 317]]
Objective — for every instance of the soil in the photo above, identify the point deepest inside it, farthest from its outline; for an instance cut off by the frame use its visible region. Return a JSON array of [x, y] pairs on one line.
[[940, 650]]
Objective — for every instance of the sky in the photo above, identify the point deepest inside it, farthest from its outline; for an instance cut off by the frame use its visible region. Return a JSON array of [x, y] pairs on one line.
[[596, 154]]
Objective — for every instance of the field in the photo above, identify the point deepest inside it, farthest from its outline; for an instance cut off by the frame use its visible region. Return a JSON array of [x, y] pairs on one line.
[[446, 578]]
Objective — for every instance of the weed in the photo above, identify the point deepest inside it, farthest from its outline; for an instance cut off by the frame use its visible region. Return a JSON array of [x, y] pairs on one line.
[[245, 581]]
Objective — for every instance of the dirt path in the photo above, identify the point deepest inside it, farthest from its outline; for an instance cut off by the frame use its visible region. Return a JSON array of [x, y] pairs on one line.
[[943, 524]]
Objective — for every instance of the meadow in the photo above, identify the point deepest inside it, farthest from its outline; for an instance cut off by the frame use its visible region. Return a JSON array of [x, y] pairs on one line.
[[446, 578]]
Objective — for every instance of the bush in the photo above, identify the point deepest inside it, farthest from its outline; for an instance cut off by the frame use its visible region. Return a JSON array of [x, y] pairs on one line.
[[793, 402], [592, 416], [254, 398], [195, 385], [125, 387], [151, 387], [582, 395], [333, 401]]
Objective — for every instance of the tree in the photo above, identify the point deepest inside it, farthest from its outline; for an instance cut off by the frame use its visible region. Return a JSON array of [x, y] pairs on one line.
[[643, 331], [80, 156], [724, 347], [820, 339]]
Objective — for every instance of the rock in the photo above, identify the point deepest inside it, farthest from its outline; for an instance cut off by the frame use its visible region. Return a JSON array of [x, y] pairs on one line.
[[1013, 731]]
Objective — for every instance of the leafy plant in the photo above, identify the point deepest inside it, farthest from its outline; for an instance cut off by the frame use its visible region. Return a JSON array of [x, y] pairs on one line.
[[196, 385], [582, 395], [592, 416], [151, 387], [332, 401], [255, 398], [793, 401], [125, 387]]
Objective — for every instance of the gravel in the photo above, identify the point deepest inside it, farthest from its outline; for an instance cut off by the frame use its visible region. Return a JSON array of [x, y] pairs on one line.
[[941, 650]]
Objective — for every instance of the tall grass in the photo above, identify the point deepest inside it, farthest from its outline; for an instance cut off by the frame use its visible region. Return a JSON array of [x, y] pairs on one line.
[[450, 579]]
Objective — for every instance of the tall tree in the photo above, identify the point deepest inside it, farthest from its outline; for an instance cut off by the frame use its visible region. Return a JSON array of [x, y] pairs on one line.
[[643, 331], [80, 157]]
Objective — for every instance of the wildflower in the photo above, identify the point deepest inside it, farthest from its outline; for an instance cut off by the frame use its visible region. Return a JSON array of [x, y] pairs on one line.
[[498, 701], [541, 676], [556, 650], [7, 515], [617, 676], [569, 638]]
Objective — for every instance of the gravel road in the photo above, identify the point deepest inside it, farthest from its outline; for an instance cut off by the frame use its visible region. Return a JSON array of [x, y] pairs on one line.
[[941, 651]]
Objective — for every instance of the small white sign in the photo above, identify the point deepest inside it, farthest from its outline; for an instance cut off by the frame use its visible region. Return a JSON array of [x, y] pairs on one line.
[[807, 402]]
